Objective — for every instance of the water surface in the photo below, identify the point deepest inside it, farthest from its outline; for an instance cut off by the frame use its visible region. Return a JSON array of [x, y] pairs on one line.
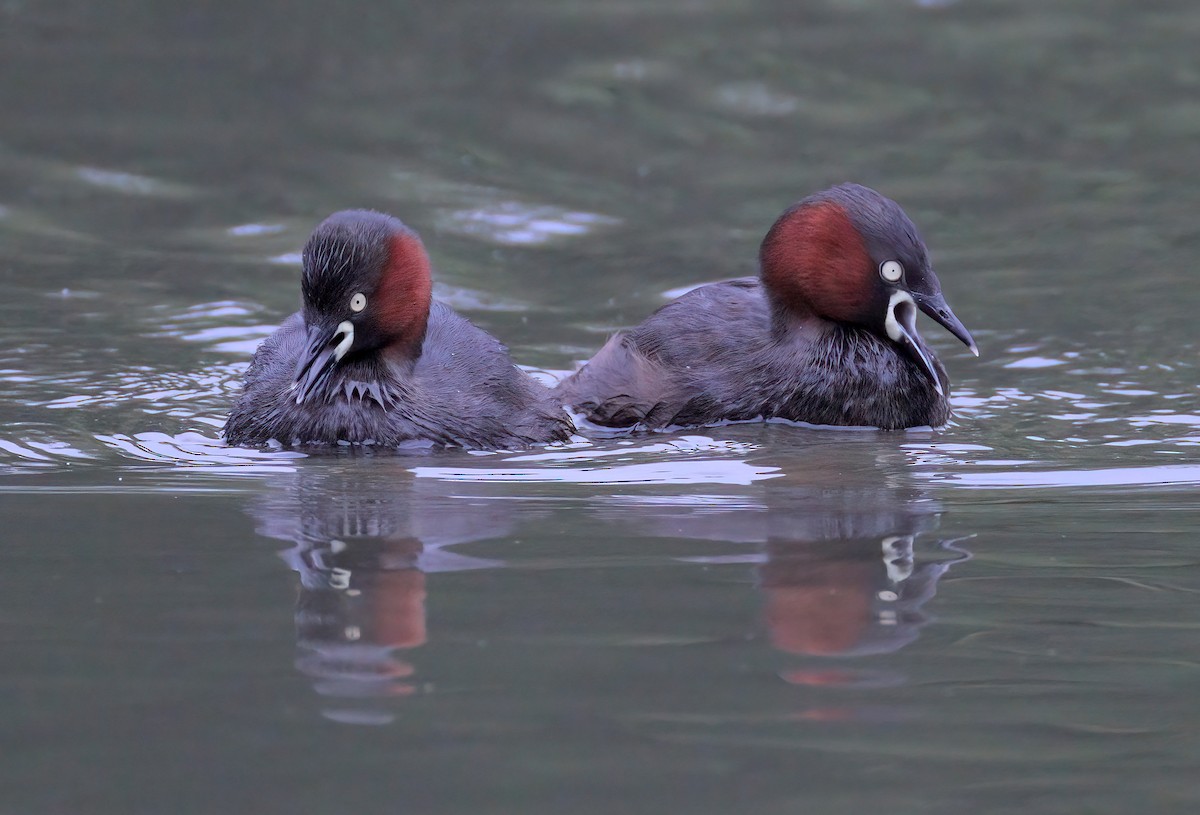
[[996, 617]]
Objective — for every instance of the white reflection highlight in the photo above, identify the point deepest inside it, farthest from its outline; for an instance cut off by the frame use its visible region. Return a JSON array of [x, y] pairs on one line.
[[130, 183], [1167, 475], [518, 224], [703, 471], [198, 450]]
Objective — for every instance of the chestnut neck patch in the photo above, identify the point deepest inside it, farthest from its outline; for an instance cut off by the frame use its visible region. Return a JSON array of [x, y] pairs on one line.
[[815, 261], [404, 292]]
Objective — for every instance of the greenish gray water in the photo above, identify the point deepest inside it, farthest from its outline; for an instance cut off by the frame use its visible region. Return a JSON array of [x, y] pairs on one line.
[[1000, 617]]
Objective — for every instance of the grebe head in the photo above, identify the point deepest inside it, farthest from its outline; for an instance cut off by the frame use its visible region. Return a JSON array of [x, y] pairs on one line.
[[850, 255], [367, 289]]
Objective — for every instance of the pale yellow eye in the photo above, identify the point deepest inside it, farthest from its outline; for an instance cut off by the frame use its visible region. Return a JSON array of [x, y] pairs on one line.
[[358, 302], [891, 271]]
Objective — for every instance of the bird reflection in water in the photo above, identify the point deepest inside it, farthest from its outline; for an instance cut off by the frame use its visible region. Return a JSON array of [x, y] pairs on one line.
[[851, 597], [845, 562], [364, 542], [846, 575]]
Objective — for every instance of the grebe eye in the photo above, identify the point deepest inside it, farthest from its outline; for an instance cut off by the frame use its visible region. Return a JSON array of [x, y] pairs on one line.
[[891, 271], [358, 302]]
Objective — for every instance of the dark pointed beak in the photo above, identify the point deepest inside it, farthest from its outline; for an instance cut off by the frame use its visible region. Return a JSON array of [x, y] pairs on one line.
[[324, 350], [936, 307]]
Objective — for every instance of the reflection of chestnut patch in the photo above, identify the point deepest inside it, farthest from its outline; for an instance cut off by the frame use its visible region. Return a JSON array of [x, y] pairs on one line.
[[819, 678], [825, 613], [397, 604]]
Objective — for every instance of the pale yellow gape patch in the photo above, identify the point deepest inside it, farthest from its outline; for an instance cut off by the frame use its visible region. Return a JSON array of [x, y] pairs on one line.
[[895, 330], [346, 330], [903, 328]]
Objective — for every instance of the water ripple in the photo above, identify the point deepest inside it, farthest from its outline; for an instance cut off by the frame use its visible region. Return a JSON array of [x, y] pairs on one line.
[[130, 183], [1171, 475], [199, 450], [516, 224], [1086, 423], [683, 460]]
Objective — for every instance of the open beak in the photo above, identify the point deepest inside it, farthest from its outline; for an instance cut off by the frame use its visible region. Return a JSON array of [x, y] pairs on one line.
[[902, 328], [323, 352], [935, 306]]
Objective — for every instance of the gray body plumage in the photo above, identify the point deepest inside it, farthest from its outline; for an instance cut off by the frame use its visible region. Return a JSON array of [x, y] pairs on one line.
[[461, 389], [716, 355]]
